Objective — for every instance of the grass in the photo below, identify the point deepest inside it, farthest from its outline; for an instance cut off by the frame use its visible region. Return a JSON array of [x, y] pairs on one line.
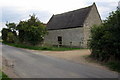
[[45, 48], [3, 76], [114, 65], [0, 75]]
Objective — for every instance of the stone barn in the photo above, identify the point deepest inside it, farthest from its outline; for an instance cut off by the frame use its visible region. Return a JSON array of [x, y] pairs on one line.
[[72, 28]]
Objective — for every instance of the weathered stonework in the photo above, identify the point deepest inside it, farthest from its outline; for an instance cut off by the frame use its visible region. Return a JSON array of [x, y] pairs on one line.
[[74, 35], [92, 19]]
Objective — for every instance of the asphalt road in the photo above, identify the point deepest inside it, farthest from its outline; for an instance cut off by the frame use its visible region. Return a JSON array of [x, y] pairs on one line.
[[30, 65]]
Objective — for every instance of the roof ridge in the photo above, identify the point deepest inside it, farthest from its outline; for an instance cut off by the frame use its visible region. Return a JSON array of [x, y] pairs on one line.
[[73, 10]]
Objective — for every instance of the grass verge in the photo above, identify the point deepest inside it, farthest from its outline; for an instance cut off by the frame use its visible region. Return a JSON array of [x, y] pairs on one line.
[[50, 48], [114, 65], [3, 76], [0, 75]]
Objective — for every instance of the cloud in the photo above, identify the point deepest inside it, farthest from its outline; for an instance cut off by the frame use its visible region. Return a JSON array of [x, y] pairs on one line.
[[13, 14], [43, 16], [53, 6], [59, 6]]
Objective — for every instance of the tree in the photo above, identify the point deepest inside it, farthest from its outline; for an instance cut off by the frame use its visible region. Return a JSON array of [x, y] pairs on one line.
[[11, 26], [105, 38], [31, 31], [5, 34], [10, 37], [9, 34]]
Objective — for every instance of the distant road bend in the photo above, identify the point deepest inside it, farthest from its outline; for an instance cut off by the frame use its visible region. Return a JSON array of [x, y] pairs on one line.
[[30, 65]]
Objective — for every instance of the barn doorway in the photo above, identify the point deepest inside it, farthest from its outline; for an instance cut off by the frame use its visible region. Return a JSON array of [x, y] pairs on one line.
[[60, 40]]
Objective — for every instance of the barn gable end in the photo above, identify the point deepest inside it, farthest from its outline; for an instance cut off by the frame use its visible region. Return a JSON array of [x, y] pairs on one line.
[[93, 18]]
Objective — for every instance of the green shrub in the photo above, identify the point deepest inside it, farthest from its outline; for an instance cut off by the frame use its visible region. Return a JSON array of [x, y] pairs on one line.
[[114, 65], [9, 34], [10, 37], [32, 31], [5, 77], [105, 39], [5, 34]]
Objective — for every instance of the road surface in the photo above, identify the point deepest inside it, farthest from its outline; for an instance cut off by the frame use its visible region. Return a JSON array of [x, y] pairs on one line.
[[30, 65]]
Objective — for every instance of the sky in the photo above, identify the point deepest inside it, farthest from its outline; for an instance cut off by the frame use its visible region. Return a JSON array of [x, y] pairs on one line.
[[16, 10]]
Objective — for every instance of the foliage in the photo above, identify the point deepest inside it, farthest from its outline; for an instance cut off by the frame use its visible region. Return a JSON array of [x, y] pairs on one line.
[[9, 34], [10, 37], [5, 34], [11, 26], [5, 77], [114, 65], [105, 39], [31, 31]]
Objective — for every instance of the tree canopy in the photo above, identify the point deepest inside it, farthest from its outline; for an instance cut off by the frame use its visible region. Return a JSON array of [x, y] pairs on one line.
[[31, 31]]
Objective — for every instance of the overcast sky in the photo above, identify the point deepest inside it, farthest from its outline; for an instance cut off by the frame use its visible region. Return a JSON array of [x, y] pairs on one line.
[[16, 10]]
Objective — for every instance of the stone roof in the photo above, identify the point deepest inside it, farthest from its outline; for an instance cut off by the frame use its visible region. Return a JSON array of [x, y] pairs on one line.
[[70, 19]]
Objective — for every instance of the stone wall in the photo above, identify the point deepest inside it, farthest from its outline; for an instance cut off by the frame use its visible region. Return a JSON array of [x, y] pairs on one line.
[[74, 35], [92, 19]]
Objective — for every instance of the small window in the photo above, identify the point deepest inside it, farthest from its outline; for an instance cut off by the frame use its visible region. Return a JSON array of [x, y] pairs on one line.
[[59, 40]]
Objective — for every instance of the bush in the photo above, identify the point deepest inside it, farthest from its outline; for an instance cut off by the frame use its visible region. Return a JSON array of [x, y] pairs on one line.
[[32, 31], [105, 39], [10, 37], [114, 65], [5, 77], [9, 34], [5, 34]]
